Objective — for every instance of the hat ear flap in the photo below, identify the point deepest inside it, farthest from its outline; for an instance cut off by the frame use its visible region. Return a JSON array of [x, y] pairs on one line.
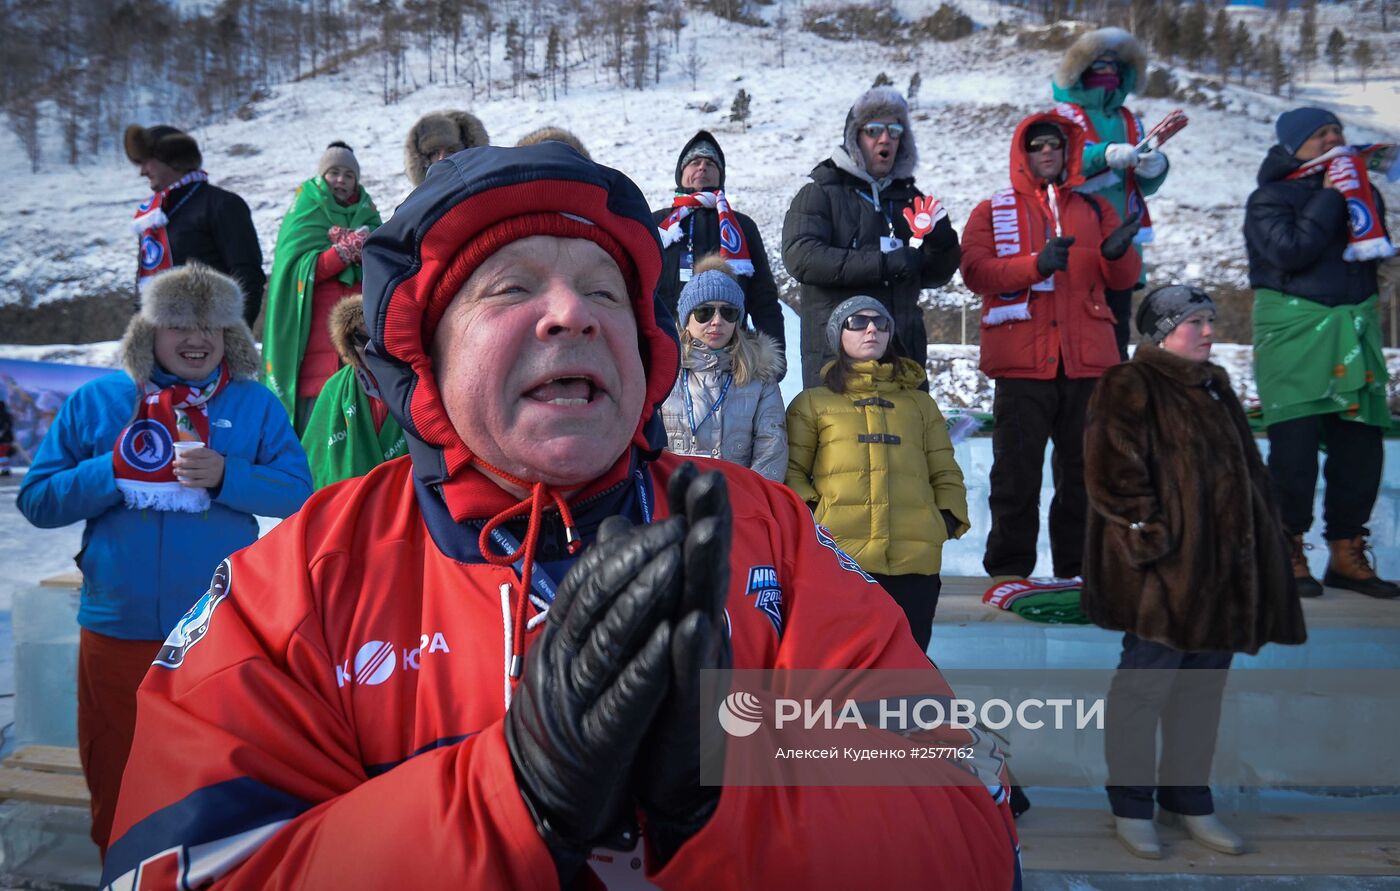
[[137, 142], [138, 349]]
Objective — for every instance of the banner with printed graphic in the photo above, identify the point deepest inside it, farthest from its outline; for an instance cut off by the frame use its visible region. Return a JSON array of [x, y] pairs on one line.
[[33, 392]]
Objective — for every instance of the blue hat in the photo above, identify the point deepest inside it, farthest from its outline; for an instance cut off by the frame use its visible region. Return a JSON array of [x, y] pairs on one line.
[[708, 286], [1294, 127]]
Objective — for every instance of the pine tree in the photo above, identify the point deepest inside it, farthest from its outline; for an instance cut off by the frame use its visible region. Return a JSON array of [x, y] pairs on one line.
[[1307, 38], [1336, 52], [1247, 54], [739, 111], [1364, 58], [882, 80], [915, 81], [1193, 33], [551, 61], [1274, 66], [1222, 43], [1165, 31]]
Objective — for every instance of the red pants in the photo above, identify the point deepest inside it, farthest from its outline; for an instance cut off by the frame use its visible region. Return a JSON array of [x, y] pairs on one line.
[[109, 671]]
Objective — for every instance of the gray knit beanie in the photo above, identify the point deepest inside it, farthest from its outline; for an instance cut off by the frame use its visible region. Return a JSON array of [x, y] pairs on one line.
[[708, 286], [1169, 306], [847, 309], [338, 154]]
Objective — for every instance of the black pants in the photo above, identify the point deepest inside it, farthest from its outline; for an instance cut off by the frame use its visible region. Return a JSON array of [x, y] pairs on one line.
[[917, 595], [1164, 688], [1025, 414], [1355, 454], [1121, 302]]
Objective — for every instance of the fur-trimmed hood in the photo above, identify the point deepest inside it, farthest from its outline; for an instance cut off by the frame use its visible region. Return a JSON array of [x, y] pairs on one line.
[[192, 296], [164, 143], [1089, 46], [751, 355], [876, 103], [554, 134], [346, 319], [439, 130]]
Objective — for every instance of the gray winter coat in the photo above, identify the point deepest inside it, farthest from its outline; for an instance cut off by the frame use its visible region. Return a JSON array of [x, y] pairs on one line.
[[750, 426]]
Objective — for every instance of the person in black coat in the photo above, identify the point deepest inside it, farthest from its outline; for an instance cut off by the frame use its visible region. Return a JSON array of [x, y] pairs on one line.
[[203, 222], [700, 170], [847, 232]]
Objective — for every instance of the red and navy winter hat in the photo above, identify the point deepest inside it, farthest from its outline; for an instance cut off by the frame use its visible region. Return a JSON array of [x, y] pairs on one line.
[[472, 204]]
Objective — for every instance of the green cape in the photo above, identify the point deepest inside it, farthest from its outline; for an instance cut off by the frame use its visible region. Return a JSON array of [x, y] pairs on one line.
[[340, 440], [303, 236]]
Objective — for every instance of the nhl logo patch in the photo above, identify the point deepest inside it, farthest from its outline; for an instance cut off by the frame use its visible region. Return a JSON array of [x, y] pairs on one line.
[[767, 594]]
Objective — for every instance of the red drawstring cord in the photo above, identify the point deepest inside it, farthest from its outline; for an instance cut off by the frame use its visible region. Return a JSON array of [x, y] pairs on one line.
[[535, 502]]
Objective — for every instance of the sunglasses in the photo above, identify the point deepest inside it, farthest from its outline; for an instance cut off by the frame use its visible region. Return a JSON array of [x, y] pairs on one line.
[[861, 322], [705, 312], [1099, 66], [876, 130], [1041, 143]]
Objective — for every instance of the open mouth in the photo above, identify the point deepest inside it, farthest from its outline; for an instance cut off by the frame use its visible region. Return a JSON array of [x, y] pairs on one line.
[[570, 390], [194, 356]]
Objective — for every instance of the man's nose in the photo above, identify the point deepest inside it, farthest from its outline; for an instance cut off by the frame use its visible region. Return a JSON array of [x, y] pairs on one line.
[[564, 312]]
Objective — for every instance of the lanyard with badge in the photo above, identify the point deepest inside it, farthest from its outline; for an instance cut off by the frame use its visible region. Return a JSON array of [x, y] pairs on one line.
[[890, 242], [690, 406], [688, 255]]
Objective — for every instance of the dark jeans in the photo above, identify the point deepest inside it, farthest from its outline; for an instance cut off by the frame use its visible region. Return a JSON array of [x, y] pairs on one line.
[[1353, 472], [1187, 705], [917, 595], [1121, 302], [1025, 414]]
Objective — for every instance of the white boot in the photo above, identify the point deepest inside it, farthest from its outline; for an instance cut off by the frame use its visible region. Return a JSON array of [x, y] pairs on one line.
[[1139, 837], [1207, 830]]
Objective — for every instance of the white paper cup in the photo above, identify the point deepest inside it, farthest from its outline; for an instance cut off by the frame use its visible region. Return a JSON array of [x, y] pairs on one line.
[[186, 445]]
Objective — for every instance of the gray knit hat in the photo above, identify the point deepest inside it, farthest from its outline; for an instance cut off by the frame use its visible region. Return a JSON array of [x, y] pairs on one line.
[[847, 309], [1168, 306], [712, 283], [338, 154]]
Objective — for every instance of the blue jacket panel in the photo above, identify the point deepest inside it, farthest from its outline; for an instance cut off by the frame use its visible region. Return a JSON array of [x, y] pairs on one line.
[[142, 569]]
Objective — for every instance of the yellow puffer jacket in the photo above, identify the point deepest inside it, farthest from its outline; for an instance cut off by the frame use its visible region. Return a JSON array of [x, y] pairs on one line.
[[879, 497]]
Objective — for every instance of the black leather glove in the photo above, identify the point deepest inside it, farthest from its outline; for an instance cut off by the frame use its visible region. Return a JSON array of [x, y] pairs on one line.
[[1120, 239], [592, 684], [902, 262], [950, 521], [1054, 256], [668, 771]]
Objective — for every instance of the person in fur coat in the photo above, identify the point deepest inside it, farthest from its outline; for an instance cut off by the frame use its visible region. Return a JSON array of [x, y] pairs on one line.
[[436, 135], [167, 463], [726, 403], [1187, 556]]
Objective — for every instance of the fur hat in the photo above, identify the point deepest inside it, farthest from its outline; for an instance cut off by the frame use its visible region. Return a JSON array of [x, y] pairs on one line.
[[1093, 44], [850, 307], [882, 102], [555, 134], [435, 131], [338, 154], [713, 282], [191, 296], [347, 322], [174, 147]]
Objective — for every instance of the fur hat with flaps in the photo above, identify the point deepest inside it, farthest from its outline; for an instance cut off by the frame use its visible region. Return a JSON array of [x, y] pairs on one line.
[[192, 296], [555, 134], [438, 130], [166, 144], [347, 324], [1093, 44], [882, 102]]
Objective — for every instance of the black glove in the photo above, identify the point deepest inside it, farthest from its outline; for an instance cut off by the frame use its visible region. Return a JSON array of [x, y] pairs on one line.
[[950, 521], [592, 684], [668, 771], [1120, 239], [902, 263], [1054, 256]]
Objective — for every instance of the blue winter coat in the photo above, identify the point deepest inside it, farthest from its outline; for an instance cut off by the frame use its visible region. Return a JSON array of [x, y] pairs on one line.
[[142, 569]]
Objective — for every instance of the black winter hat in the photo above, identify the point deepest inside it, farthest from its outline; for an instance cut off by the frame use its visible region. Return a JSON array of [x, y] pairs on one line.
[[1039, 129], [701, 145]]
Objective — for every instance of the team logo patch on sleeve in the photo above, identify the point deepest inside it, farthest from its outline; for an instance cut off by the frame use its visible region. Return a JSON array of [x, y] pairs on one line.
[[848, 564], [767, 594], [192, 627]]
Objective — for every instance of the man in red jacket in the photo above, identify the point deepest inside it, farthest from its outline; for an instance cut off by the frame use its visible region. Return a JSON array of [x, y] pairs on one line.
[[475, 665], [1041, 255]]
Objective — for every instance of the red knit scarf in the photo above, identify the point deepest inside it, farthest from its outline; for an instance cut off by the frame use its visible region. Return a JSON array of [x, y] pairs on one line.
[[1136, 201], [1011, 233], [1346, 167], [733, 247], [143, 459], [153, 247]]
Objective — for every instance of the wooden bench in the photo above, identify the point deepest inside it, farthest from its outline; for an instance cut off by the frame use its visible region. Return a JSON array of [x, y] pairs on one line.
[[45, 774]]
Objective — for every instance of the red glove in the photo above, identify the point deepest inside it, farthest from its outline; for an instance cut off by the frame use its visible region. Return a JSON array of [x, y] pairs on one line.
[[348, 243], [922, 216]]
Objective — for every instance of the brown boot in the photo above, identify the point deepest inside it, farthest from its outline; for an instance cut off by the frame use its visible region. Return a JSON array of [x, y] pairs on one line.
[[1350, 568], [1302, 575]]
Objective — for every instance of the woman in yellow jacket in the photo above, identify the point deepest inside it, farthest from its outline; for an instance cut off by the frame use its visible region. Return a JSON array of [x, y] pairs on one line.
[[869, 452]]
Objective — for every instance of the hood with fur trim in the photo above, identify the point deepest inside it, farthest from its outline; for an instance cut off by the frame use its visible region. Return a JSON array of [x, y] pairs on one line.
[[881, 102], [164, 143], [192, 296], [555, 134], [408, 260], [1132, 65], [1023, 178], [439, 130], [346, 319]]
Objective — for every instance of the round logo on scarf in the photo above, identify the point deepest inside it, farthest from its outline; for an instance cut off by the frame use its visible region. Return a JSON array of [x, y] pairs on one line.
[[729, 236], [146, 446], [1360, 216], [152, 253]]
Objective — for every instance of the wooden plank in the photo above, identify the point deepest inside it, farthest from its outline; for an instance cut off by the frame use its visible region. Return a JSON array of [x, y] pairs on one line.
[[71, 580], [49, 759], [46, 788]]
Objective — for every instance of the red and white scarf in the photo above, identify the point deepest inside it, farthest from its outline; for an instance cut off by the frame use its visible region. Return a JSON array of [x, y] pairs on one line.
[[1346, 167], [143, 459], [732, 245], [1136, 202], [1011, 233], [153, 247]]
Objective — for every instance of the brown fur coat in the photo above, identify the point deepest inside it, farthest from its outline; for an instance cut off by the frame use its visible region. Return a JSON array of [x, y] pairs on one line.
[[1167, 446]]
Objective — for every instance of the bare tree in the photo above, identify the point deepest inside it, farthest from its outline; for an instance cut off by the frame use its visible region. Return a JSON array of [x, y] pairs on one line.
[[691, 63], [1307, 37]]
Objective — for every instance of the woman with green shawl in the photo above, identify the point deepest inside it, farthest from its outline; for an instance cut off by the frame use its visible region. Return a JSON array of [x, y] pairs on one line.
[[315, 265]]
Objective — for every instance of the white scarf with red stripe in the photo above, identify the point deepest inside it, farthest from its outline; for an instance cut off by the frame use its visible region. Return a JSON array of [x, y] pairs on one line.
[[1346, 167], [143, 458], [733, 247], [153, 247]]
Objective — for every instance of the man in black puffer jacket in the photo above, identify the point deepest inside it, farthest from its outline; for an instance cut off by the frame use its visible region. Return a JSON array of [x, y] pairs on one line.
[[847, 231], [1317, 359]]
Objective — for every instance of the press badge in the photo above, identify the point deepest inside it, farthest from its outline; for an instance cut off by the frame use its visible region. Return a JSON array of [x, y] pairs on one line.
[[687, 266], [890, 243]]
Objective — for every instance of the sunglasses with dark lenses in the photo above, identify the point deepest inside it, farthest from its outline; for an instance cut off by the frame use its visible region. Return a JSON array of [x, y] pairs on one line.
[[860, 323], [876, 130], [1041, 143], [703, 314]]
